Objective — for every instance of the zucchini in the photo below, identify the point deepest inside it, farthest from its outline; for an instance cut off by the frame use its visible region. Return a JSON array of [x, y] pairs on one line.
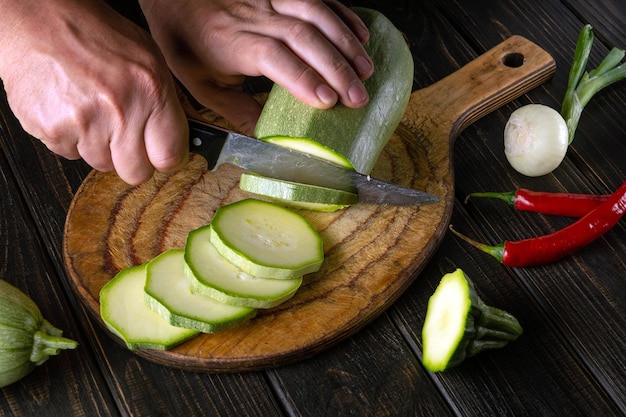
[[358, 135], [311, 147], [296, 195], [459, 324], [212, 275], [266, 240], [26, 338], [168, 292], [125, 313]]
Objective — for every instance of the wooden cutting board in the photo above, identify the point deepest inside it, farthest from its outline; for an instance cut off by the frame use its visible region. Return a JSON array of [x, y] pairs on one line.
[[372, 253]]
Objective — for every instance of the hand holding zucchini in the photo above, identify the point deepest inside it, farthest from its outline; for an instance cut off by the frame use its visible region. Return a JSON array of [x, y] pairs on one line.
[[26, 338], [459, 324], [351, 138]]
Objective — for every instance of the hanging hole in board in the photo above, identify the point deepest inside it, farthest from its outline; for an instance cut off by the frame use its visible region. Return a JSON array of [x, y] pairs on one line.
[[513, 60]]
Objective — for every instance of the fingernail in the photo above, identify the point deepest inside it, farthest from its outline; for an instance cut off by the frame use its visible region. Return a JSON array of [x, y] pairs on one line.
[[357, 93], [326, 94], [363, 66]]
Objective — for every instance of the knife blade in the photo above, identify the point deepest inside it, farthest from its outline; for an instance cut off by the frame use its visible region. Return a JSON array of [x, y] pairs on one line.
[[220, 146]]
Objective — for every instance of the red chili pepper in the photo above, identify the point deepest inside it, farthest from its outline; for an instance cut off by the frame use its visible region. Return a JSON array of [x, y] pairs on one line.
[[552, 247], [560, 204]]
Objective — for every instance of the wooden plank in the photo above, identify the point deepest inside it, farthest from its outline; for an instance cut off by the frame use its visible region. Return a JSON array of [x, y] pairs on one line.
[[594, 164], [50, 388]]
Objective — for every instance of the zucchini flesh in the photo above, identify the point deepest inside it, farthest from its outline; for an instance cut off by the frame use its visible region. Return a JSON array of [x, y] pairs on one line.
[[296, 195], [266, 240], [168, 292], [212, 275], [311, 147], [459, 324], [125, 313], [359, 135]]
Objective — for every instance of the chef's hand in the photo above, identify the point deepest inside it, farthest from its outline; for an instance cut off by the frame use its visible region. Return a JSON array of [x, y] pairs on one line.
[[313, 48], [91, 84]]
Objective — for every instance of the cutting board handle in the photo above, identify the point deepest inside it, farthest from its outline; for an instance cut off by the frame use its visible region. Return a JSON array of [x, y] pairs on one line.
[[500, 75]]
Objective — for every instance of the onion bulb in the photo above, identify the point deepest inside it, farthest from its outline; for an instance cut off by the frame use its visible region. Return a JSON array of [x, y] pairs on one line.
[[535, 139]]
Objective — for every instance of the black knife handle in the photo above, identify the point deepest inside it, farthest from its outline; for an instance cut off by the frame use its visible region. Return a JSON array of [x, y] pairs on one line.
[[206, 140]]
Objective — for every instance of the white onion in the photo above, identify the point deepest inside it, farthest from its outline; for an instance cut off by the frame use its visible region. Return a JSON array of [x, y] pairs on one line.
[[535, 140]]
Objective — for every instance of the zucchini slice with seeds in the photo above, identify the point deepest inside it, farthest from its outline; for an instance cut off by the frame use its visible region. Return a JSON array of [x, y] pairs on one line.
[[266, 240], [212, 275]]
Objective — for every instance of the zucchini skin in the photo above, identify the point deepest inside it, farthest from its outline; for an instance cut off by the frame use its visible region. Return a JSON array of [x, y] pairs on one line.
[[357, 134]]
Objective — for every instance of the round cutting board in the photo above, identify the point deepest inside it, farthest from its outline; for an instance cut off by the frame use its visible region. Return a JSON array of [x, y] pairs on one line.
[[372, 253]]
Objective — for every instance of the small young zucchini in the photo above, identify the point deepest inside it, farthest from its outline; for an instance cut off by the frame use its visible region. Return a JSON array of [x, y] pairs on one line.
[[296, 195], [266, 240], [125, 313], [212, 275], [168, 292], [26, 338], [459, 324]]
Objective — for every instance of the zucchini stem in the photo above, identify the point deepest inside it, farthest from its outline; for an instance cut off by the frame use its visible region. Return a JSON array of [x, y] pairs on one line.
[[47, 341], [494, 327]]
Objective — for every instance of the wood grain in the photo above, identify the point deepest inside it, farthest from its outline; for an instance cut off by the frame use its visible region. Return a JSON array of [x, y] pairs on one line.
[[372, 253]]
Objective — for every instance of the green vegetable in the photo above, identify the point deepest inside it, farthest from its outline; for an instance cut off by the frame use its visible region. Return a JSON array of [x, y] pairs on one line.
[[125, 313], [358, 135], [581, 85], [168, 292], [459, 324], [211, 274], [26, 338], [302, 196], [266, 240]]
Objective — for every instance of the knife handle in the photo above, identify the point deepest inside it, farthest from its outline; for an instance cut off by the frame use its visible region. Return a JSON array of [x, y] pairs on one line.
[[206, 140]]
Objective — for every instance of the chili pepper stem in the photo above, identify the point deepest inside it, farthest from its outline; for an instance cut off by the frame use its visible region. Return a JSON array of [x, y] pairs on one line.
[[507, 197], [496, 251]]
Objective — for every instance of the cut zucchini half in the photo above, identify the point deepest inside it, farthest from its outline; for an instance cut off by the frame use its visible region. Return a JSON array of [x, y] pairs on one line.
[[297, 195], [311, 147], [459, 324], [214, 276], [266, 240], [168, 292], [125, 314]]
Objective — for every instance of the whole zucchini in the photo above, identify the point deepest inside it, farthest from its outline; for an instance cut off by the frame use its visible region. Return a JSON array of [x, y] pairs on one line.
[[358, 135], [26, 338]]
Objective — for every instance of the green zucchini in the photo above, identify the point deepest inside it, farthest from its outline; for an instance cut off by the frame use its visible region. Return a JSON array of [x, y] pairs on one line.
[[125, 313], [302, 196], [212, 275], [168, 292], [357, 135], [459, 324], [26, 338], [266, 240]]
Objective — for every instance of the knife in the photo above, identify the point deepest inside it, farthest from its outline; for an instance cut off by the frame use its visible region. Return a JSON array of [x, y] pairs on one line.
[[219, 146]]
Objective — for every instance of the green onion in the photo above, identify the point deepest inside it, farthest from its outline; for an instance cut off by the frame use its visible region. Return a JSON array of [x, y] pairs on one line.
[[581, 85]]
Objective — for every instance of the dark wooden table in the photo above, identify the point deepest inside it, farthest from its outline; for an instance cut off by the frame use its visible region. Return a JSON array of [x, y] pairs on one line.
[[571, 360]]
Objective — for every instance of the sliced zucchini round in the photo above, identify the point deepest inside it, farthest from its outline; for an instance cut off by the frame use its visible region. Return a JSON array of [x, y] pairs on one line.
[[168, 292], [266, 240], [311, 147], [304, 196], [212, 275], [125, 313]]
